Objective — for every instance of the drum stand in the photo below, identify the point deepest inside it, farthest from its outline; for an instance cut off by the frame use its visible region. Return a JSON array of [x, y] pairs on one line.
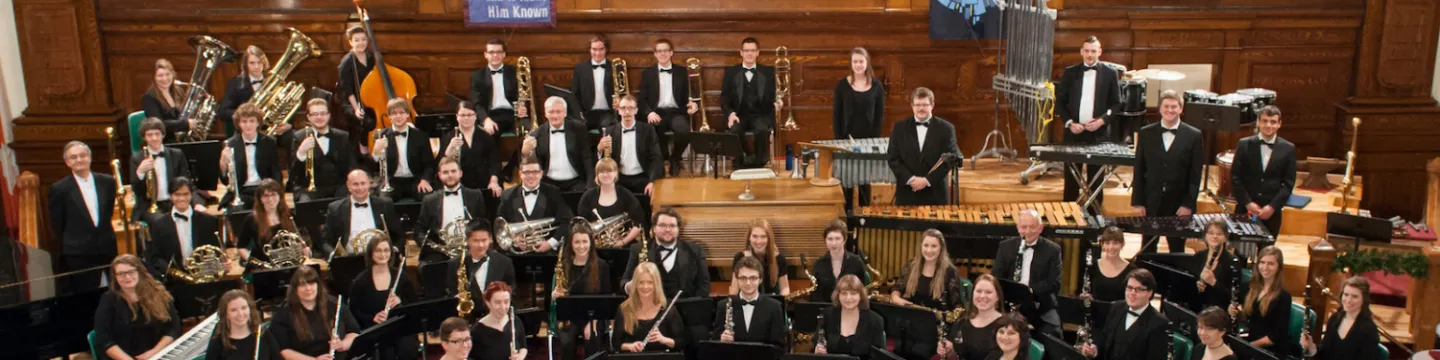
[[1001, 149], [1090, 188]]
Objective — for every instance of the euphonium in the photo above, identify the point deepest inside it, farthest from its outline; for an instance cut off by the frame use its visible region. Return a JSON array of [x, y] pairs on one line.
[[522, 237], [622, 81], [452, 238], [277, 98], [804, 265], [205, 264], [285, 249], [462, 290], [526, 95], [609, 232], [199, 105]]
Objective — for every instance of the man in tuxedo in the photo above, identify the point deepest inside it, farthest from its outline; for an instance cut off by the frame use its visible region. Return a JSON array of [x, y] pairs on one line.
[[917, 146], [1264, 171], [1167, 168], [1133, 329], [636, 149], [681, 263], [174, 235], [572, 168], [333, 156], [745, 100], [753, 318], [493, 92], [594, 84], [80, 209], [168, 164], [410, 163], [358, 212], [1088, 93], [665, 102], [534, 200], [254, 156], [1035, 262], [451, 202], [482, 264]]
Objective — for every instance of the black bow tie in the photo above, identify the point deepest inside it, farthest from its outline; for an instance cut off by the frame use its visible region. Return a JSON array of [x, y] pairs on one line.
[[531, 192], [739, 301], [480, 261], [1268, 144], [401, 134], [1091, 67], [1133, 313], [1172, 131], [324, 134], [252, 143], [1026, 247], [252, 82], [665, 250], [492, 72], [627, 130], [667, 71], [922, 123], [557, 131], [158, 155], [593, 66], [452, 192], [362, 205], [180, 216]]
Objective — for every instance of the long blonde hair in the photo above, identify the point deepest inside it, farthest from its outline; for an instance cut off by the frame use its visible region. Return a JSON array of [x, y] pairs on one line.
[[1257, 282], [151, 297], [175, 89], [222, 330], [772, 252], [917, 266], [632, 302]]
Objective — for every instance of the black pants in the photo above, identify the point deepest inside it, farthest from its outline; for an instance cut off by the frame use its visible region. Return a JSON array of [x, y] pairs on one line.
[[1169, 203], [573, 185], [596, 119], [571, 337], [677, 122], [759, 126], [86, 280], [404, 188], [635, 183]]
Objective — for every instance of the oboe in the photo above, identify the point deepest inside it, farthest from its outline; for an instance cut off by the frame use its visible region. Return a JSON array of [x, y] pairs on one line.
[[335, 331], [1235, 288], [645, 342]]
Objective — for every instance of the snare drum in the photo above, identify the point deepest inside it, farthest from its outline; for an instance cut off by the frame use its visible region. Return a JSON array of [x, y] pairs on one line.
[[1198, 96], [1132, 96], [1248, 112], [1262, 97]]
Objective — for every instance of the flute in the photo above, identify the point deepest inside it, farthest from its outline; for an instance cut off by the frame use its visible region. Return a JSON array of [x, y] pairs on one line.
[[396, 285], [259, 332], [335, 331], [660, 320]]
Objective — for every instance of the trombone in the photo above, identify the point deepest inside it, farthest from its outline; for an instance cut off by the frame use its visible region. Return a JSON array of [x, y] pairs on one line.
[[697, 95], [526, 95], [782, 94]]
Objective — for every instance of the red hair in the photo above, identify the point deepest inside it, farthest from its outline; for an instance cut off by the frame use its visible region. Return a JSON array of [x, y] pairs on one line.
[[493, 287]]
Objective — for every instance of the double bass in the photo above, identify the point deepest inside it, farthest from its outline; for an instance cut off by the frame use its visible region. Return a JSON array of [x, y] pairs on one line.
[[385, 82]]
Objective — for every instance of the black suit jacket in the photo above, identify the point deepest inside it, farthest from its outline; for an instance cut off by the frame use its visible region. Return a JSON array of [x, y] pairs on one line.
[[582, 84], [1270, 186], [267, 161], [482, 89], [733, 83], [649, 91], [1172, 175], [690, 273], [578, 148], [156, 108], [1106, 100], [1044, 268], [417, 154], [237, 91], [501, 269], [908, 159], [432, 211], [70, 218], [1145, 340], [175, 166], [767, 321], [337, 223], [479, 159], [647, 147], [163, 251], [331, 167], [550, 203]]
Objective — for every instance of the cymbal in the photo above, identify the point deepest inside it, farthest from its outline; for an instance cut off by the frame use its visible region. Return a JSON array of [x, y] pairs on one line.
[[1160, 74]]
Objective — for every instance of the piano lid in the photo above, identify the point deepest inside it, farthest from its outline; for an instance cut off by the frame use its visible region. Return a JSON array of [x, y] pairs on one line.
[[41, 316]]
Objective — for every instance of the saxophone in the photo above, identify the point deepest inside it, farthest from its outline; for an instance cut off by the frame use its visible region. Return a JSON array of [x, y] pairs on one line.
[[199, 105], [804, 265], [644, 250], [525, 94], [465, 305], [277, 98]]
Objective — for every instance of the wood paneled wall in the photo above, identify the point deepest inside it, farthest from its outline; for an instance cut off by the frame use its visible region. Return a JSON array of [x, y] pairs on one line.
[[87, 62]]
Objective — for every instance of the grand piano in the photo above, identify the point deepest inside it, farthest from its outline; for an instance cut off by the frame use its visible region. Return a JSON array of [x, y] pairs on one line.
[[38, 318]]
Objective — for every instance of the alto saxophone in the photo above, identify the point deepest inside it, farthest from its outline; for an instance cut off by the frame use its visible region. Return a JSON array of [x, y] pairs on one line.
[[804, 265], [465, 305]]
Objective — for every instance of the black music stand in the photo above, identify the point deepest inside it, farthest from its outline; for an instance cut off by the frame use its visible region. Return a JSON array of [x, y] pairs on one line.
[[879, 353], [236, 219], [343, 270], [420, 316], [696, 311], [537, 269], [618, 258], [647, 356], [532, 317], [1178, 261], [1358, 227], [271, 284], [1020, 296], [204, 159], [806, 318], [310, 219], [1210, 118], [1181, 319], [804, 356], [193, 300], [1056, 349], [584, 308], [716, 144], [1172, 283], [716, 350], [435, 279], [1245, 351], [1072, 311], [436, 125], [373, 339], [408, 209], [909, 325]]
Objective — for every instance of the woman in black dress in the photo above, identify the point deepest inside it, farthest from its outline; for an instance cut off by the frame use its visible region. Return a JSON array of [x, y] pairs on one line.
[[137, 317], [849, 327], [929, 280], [478, 155], [306, 327], [1212, 325], [606, 200], [1107, 277], [164, 99], [760, 243], [859, 109], [354, 67], [836, 263], [372, 297], [498, 335], [235, 331], [586, 274], [1012, 339], [1267, 306], [974, 335], [635, 328], [1350, 334], [265, 221], [1216, 274]]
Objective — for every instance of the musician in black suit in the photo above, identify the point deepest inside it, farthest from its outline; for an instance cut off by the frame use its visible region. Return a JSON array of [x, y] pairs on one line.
[[175, 234], [745, 100], [241, 88], [334, 156], [1043, 273], [478, 154], [493, 92], [593, 82], [141, 163], [534, 200], [917, 144], [453, 201], [358, 212], [1088, 94], [748, 316], [482, 263], [569, 170], [1167, 168], [1133, 330], [410, 164], [164, 99], [681, 263], [1264, 171], [80, 209], [635, 146], [253, 154], [665, 102]]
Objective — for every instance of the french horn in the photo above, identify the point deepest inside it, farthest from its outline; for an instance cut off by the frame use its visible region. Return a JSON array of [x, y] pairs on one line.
[[452, 238], [286, 249], [205, 265]]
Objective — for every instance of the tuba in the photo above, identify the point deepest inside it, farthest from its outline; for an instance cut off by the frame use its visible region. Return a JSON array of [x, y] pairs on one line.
[[206, 264], [199, 105], [622, 81], [277, 98], [609, 232], [526, 94], [452, 238], [286, 249], [522, 237]]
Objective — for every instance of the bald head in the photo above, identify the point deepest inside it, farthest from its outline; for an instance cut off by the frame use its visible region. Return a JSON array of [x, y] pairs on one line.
[[358, 183], [1029, 225]]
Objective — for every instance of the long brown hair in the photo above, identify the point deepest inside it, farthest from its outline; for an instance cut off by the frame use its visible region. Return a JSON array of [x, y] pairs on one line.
[[255, 51], [151, 297], [222, 329], [970, 309], [869, 68], [1218, 224], [305, 275], [175, 88], [917, 266], [262, 216], [592, 275], [1359, 283], [772, 252], [631, 306], [1257, 282]]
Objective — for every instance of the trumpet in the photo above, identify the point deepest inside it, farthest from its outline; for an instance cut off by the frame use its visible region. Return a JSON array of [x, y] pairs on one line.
[[152, 185], [310, 160], [622, 81], [526, 95], [459, 139], [384, 168]]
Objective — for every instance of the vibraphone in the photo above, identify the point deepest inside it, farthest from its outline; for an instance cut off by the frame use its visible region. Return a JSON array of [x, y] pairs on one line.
[[1108, 156], [1247, 235], [890, 235], [866, 162]]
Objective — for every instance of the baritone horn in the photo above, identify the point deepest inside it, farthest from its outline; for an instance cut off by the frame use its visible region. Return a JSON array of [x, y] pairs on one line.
[[522, 237], [277, 98]]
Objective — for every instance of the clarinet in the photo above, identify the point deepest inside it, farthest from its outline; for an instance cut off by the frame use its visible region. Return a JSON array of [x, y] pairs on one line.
[[729, 316], [820, 331], [1083, 336], [1235, 289], [1169, 343], [1019, 261]]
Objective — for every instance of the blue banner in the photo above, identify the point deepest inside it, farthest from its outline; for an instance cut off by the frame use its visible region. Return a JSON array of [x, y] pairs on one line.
[[510, 13]]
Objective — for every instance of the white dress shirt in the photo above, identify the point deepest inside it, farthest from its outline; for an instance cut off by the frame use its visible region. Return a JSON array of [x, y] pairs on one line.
[[480, 273], [599, 75], [668, 260], [92, 198], [1027, 255], [1131, 318], [921, 131], [667, 93], [402, 152], [749, 73], [451, 206], [748, 309], [1087, 96], [629, 158], [252, 176], [183, 232], [361, 218], [162, 176], [1265, 151], [497, 89], [1168, 137], [560, 168]]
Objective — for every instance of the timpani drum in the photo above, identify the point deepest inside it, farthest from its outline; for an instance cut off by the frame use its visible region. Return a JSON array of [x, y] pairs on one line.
[[1132, 95], [1226, 160], [1198, 96], [1246, 103], [1262, 97]]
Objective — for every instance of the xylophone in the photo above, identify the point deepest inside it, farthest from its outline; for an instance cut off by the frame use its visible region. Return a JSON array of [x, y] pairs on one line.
[[1247, 235], [865, 163], [1107, 156]]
